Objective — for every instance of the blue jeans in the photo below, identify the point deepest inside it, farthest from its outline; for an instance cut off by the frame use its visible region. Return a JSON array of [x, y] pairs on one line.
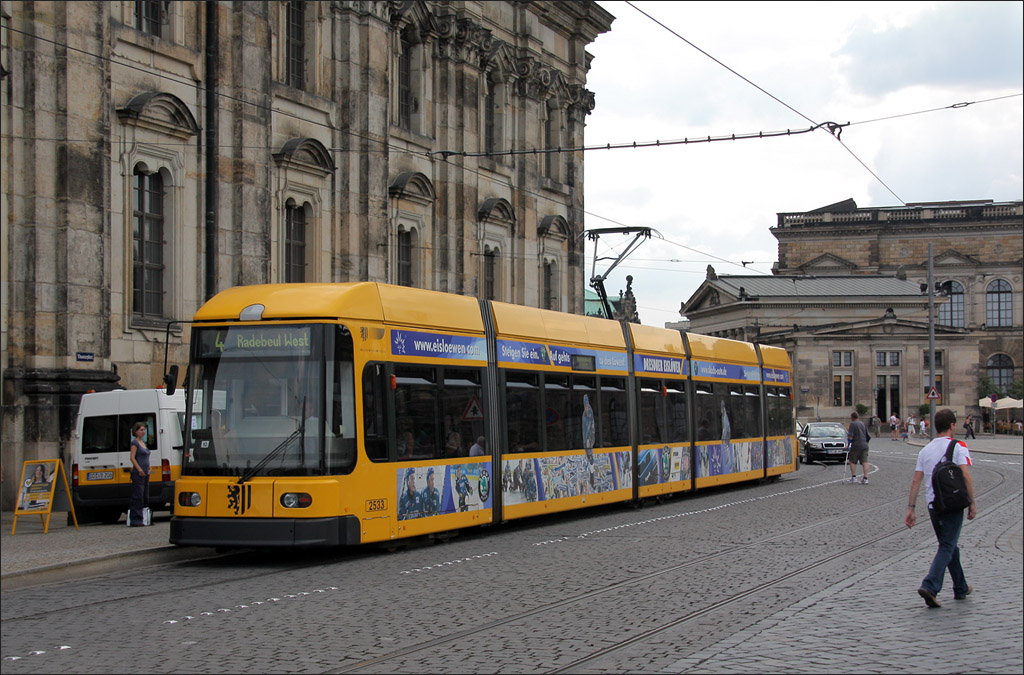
[[140, 496], [947, 531]]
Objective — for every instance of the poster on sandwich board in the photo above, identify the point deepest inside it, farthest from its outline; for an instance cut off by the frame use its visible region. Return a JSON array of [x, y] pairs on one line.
[[42, 490]]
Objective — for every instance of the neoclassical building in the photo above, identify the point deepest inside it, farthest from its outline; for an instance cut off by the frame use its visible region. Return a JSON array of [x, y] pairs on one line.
[[849, 301], [157, 152]]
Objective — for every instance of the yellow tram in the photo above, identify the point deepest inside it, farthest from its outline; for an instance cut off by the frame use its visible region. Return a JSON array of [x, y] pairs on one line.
[[341, 414]]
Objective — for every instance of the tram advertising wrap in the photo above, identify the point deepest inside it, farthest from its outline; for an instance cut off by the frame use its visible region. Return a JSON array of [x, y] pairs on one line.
[[343, 414]]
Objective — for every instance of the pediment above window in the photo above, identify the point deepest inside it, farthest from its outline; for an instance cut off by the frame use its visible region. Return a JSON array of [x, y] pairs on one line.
[[952, 258], [828, 262], [161, 112], [413, 186], [499, 211], [553, 226], [305, 154]]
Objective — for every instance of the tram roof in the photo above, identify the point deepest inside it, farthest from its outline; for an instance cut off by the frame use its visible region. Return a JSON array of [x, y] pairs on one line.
[[654, 339], [708, 348], [361, 301], [532, 323], [775, 357]]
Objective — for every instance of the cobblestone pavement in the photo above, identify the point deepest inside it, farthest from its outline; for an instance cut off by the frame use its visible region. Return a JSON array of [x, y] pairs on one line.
[[537, 598]]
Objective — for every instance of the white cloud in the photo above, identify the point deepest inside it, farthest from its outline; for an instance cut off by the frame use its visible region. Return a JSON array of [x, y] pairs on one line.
[[843, 62]]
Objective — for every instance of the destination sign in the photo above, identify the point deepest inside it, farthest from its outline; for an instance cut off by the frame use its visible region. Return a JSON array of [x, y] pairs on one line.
[[257, 341]]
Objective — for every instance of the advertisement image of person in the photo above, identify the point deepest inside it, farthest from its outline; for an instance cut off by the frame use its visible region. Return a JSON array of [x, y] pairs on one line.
[[728, 460], [38, 482], [430, 499], [139, 456], [462, 488], [409, 502]]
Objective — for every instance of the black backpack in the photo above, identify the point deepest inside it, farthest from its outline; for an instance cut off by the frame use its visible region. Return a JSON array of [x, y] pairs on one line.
[[949, 485]]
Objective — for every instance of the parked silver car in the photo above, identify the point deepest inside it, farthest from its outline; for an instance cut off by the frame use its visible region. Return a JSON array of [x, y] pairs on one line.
[[823, 442]]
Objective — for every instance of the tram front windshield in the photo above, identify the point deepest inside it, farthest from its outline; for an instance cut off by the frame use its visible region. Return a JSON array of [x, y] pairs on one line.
[[270, 401]]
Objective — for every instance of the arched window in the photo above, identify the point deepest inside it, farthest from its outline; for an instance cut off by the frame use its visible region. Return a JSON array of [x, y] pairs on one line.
[[550, 291], [553, 140], [491, 276], [295, 45], [295, 242], [405, 84], [999, 304], [406, 264], [147, 243], [952, 313], [1000, 372]]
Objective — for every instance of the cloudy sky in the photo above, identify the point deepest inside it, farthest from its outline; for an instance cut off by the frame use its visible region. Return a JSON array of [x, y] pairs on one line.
[[855, 62]]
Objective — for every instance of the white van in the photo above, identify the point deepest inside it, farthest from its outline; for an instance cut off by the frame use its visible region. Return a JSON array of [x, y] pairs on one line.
[[101, 464]]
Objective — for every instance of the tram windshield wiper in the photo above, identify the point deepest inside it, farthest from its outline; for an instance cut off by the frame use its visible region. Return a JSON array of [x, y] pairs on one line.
[[253, 470], [299, 433]]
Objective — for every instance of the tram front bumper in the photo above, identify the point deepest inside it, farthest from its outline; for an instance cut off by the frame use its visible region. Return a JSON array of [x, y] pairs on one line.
[[264, 532]]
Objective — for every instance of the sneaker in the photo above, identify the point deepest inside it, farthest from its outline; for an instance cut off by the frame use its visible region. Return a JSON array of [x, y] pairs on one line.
[[929, 597], [851, 479], [961, 597], [864, 480]]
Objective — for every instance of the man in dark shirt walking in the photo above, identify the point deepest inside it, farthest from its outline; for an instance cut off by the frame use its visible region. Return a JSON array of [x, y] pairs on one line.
[[859, 438]]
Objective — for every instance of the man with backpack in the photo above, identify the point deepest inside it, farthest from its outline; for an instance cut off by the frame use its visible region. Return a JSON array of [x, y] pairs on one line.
[[947, 524]]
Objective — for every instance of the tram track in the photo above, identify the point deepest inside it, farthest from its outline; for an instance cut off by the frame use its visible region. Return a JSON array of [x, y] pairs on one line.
[[481, 630], [484, 630]]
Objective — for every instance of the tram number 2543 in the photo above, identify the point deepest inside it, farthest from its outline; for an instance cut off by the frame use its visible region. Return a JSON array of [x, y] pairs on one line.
[[376, 505]]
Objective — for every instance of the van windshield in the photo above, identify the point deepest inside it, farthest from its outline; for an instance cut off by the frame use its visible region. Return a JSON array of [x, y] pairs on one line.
[[271, 400]]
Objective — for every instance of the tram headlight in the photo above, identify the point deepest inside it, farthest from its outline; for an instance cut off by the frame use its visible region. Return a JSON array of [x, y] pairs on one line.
[[296, 500], [189, 499]]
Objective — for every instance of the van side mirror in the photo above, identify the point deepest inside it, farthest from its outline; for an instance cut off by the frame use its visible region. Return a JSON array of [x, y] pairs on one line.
[[171, 379]]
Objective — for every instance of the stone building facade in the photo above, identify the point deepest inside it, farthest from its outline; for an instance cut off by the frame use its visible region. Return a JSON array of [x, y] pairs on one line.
[[155, 153], [849, 301]]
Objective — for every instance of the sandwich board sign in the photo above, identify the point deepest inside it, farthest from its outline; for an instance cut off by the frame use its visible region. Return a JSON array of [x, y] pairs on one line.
[[42, 490]]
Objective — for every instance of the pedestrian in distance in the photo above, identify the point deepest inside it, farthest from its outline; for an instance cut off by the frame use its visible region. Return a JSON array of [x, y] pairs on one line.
[[947, 526], [894, 425], [858, 454], [140, 475], [969, 427]]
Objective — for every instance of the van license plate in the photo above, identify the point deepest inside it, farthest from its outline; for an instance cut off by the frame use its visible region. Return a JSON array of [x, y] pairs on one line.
[[99, 475]]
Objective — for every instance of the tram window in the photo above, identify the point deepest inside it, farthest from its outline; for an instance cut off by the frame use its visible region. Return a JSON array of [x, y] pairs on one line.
[[679, 429], [613, 419], [522, 410], [462, 410], [582, 386], [652, 412], [375, 427], [556, 412], [709, 424], [747, 411], [416, 412], [340, 423]]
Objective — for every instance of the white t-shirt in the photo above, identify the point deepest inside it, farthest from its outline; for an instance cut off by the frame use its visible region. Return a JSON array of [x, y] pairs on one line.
[[932, 454]]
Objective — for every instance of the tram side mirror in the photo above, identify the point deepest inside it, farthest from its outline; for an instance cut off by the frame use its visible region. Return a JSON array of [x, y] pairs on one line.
[[171, 380]]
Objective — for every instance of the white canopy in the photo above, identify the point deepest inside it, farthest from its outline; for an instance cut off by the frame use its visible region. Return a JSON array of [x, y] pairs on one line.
[[1007, 403]]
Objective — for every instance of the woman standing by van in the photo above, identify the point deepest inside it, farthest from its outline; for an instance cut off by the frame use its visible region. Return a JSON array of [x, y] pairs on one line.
[[140, 475]]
